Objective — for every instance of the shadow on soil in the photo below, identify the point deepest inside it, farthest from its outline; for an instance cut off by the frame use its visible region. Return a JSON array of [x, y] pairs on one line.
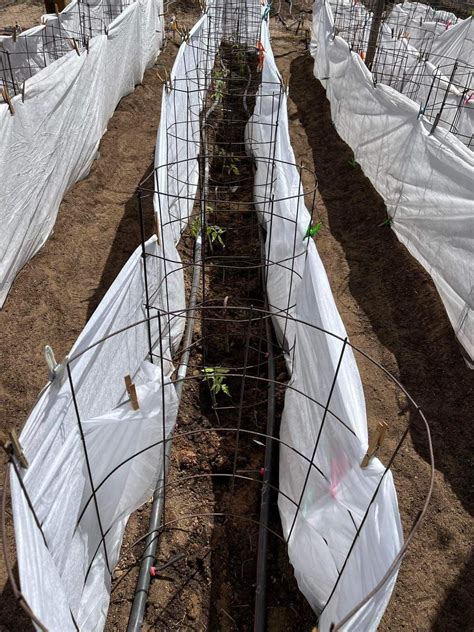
[[126, 241], [400, 300], [458, 601], [12, 616]]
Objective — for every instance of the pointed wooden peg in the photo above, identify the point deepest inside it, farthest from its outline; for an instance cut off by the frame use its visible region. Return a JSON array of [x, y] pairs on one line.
[[7, 99], [157, 229], [73, 43], [17, 449], [12, 447], [375, 442], [132, 392]]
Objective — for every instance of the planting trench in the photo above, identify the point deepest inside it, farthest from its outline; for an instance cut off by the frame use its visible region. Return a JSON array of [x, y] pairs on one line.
[[208, 552], [388, 303]]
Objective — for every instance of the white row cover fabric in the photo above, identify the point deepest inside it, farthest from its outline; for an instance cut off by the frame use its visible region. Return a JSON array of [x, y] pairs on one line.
[[63, 566], [454, 43], [53, 137], [426, 179], [410, 22], [40, 46], [179, 142], [439, 74], [64, 575], [419, 23], [337, 495]]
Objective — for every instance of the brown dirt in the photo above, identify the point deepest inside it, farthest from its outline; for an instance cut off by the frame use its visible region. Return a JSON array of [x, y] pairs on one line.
[[212, 583], [389, 306], [392, 310], [24, 14]]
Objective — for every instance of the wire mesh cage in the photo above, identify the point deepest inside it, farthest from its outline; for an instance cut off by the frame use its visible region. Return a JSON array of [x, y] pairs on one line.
[[402, 46], [25, 53], [216, 320]]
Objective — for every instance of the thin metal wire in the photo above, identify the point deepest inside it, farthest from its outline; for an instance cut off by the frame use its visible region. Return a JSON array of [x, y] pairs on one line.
[[89, 472], [249, 315], [397, 44], [316, 443], [19, 57]]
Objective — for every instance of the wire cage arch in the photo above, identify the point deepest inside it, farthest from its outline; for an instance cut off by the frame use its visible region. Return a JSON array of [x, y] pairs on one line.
[[232, 311], [256, 314]]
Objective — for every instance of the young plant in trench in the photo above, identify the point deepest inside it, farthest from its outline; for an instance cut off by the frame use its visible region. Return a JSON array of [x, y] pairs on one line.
[[213, 233], [215, 378], [218, 77], [218, 93], [230, 164], [242, 62], [387, 222]]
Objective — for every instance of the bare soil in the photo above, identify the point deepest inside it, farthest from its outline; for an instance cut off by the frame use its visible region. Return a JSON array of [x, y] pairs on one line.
[[22, 14], [210, 532], [390, 308]]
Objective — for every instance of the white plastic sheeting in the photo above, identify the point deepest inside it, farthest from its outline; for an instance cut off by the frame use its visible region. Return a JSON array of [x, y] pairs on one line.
[[422, 59], [53, 137], [338, 494], [456, 43], [65, 568], [426, 179], [179, 141], [411, 22], [38, 47], [64, 576], [419, 23]]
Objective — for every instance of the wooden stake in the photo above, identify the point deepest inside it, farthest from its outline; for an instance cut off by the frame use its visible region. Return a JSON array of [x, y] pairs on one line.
[[166, 80], [375, 442], [375, 29], [12, 447], [8, 100], [73, 42], [132, 392]]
